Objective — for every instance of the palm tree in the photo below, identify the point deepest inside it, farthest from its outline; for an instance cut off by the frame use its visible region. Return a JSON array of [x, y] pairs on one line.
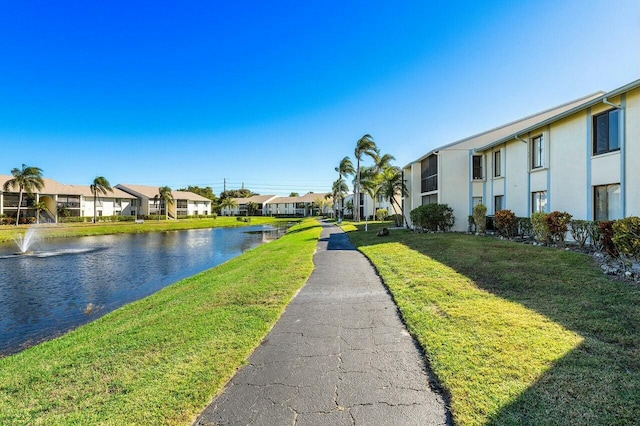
[[252, 208], [380, 164], [164, 196], [345, 168], [39, 206], [227, 203], [338, 189], [364, 146], [392, 185], [28, 179], [370, 181], [100, 185]]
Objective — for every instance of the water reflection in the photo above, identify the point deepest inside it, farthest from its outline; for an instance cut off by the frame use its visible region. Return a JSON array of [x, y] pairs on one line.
[[47, 293]]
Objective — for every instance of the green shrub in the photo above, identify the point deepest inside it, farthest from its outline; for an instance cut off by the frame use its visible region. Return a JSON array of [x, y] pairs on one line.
[[397, 219], [606, 237], [593, 230], [381, 214], [540, 227], [626, 236], [480, 217], [580, 231], [525, 228], [433, 217], [505, 222]]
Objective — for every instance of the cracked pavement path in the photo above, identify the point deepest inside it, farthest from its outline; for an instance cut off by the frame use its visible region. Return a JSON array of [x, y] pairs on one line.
[[339, 355]]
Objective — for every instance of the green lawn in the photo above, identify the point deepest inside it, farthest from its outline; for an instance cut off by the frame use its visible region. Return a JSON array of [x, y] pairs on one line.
[[516, 334], [159, 360], [8, 232]]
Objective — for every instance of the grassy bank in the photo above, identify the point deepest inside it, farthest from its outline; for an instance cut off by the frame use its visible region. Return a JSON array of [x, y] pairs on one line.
[[516, 334], [8, 232], [159, 360]]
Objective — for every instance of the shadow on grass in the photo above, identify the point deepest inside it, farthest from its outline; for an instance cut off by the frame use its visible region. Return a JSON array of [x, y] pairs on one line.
[[596, 383]]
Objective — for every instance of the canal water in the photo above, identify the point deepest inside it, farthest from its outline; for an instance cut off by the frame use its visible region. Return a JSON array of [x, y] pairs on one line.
[[65, 283]]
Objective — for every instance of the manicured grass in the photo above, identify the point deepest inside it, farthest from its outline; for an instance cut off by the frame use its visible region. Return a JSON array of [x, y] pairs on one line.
[[516, 334], [8, 232], [159, 360]]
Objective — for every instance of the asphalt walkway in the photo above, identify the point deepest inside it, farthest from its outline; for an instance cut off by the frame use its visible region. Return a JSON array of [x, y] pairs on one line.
[[339, 355]]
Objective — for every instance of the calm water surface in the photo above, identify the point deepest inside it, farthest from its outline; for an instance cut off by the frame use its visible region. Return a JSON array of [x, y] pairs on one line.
[[48, 293]]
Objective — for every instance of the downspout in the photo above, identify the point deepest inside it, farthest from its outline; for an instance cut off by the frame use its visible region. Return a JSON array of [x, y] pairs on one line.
[[606, 102]]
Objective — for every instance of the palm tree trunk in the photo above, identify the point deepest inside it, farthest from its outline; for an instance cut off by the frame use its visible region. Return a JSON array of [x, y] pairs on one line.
[[19, 205], [95, 210], [356, 196]]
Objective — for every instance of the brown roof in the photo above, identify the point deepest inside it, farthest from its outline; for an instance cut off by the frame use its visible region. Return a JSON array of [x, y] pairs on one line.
[[258, 199], [152, 191], [51, 187], [307, 198]]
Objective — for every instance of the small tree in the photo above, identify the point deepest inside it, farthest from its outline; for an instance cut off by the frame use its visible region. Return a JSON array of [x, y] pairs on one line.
[[100, 185], [480, 217], [228, 203], [252, 208], [164, 196]]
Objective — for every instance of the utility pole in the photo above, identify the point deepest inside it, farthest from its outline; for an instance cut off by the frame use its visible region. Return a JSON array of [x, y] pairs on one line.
[[224, 184]]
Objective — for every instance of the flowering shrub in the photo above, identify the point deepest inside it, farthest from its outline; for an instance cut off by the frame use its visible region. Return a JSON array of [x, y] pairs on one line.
[[558, 222], [381, 214], [505, 223], [606, 237]]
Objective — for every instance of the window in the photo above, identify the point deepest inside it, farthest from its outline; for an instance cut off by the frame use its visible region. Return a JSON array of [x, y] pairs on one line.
[[498, 203], [497, 167], [605, 132], [477, 167], [537, 152], [475, 201], [429, 199], [607, 202], [429, 175], [538, 201], [181, 204]]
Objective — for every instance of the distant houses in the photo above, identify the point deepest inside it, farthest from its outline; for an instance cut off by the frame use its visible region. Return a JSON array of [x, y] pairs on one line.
[[77, 201], [272, 205], [582, 157]]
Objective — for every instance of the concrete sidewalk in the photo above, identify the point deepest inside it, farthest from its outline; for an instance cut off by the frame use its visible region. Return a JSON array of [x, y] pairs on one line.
[[339, 355]]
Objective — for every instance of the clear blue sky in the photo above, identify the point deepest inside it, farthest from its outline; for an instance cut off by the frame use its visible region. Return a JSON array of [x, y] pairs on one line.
[[274, 94]]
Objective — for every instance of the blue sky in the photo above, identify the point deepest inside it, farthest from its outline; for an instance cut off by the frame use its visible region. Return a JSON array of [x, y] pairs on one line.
[[274, 94]]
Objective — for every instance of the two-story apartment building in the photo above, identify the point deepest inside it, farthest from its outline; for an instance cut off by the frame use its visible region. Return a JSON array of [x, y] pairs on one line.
[[585, 161], [66, 200], [455, 174], [184, 203]]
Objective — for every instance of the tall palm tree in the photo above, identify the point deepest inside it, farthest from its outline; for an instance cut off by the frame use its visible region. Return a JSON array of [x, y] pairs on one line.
[[100, 185], [338, 189], [370, 180], [28, 179], [345, 168], [227, 203], [164, 196], [392, 185], [380, 164], [364, 146]]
